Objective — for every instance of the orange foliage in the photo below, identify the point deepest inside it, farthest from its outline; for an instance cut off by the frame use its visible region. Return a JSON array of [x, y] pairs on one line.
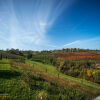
[[77, 56]]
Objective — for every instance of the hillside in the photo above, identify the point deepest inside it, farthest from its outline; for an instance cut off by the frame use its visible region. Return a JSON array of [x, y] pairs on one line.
[[37, 75]]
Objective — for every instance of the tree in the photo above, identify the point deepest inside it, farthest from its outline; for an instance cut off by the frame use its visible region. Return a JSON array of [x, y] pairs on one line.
[[29, 55], [97, 76], [0, 56], [89, 73]]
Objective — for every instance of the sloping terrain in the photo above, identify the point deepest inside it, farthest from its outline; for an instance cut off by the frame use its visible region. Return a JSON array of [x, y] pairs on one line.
[[33, 81]]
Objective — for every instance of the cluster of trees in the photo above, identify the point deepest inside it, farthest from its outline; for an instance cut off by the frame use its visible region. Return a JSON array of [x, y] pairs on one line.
[[29, 55], [82, 69], [70, 50], [75, 50], [15, 51], [47, 58]]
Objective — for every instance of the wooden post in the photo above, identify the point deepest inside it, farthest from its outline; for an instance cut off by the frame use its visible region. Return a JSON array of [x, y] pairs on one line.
[[46, 70], [58, 75]]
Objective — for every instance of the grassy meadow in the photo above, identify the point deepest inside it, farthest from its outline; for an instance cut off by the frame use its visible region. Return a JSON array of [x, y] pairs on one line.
[[23, 78], [21, 84]]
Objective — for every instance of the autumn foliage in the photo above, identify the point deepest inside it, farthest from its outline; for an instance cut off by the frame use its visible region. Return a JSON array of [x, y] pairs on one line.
[[77, 56]]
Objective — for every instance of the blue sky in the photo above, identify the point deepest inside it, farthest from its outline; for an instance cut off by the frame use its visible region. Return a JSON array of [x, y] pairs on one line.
[[49, 24]]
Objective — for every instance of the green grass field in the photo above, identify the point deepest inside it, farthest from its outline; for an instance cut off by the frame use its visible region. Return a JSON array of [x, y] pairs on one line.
[[52, 70], [4, 65], [25, 85], [11, 86]]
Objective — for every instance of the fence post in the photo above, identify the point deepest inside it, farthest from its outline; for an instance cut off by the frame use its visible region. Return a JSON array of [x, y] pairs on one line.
[[46, 70], [58, 75]]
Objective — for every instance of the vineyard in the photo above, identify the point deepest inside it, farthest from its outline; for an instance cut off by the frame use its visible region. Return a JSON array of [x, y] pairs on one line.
[[77, 56]]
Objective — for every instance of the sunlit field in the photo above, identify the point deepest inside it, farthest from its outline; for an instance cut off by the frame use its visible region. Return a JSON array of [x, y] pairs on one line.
[[49, 49]]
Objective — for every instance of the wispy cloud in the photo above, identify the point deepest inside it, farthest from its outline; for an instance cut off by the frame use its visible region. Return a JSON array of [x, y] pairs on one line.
[[85, 43], [27, 24], [72, 43]]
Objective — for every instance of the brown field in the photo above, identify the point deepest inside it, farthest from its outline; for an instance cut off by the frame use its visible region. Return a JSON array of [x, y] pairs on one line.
[[10, 56], [77, 56]]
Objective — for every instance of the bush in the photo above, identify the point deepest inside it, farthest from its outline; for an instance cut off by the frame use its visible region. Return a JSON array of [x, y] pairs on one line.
[[42, 95]]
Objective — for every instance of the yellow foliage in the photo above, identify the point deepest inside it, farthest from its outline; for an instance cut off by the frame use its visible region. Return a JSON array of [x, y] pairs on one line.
[[89, 73], [94, 73]]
